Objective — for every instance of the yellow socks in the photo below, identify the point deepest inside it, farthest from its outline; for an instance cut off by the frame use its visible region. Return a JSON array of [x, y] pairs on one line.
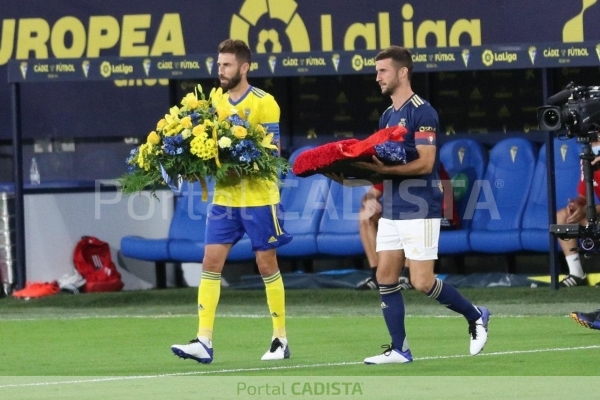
[[276, 302], [208, 299]]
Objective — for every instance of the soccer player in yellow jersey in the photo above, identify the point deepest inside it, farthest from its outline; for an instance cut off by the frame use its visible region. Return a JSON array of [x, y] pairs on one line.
[[251, 207]]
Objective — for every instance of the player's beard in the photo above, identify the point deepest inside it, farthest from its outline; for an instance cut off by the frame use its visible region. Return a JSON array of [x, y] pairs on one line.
[[228, 84], [391, 87]]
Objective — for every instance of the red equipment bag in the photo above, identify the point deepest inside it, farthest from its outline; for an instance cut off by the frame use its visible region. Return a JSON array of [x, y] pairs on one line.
[[93, 261]]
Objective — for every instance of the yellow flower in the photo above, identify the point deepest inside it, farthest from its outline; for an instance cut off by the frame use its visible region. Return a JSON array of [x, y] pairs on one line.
[[268, 142], [224, 142], [199, 130], [142, 160], [190, 100], [224, 110], [202, 104], [170, 132], [161, 124], [216, 95], [208, 123], [204, 149], [260, 130], [186, 122], [239, 131], [153, 138]]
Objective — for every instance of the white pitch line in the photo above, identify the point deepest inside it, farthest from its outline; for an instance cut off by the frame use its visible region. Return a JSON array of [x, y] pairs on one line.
[[289, 367], [163, 316]]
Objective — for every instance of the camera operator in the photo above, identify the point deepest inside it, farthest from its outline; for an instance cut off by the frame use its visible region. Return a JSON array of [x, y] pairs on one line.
[[575, 213]]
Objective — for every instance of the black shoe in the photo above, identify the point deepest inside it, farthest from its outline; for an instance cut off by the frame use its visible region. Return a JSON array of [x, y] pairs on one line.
[[405, 284], [572, 280], [367, 284]]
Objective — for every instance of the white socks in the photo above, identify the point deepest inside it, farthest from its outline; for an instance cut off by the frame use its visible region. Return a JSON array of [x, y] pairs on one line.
[[574, 264]]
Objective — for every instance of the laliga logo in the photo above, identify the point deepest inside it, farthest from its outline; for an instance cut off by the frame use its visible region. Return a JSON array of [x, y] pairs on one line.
[[359, 62], [105, 69], [246, 21], [487, 57]]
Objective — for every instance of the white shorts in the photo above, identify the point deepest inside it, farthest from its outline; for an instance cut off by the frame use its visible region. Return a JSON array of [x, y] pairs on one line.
[[417, 237]]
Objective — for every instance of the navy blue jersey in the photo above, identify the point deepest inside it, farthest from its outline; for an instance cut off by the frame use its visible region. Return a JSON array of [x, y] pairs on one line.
[[419, 196]]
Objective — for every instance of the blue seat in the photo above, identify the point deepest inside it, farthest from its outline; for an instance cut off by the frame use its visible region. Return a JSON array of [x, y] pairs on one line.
[[465, 161], [535, 235], [497, 216], [187, 231], [187, 239], [303, 201], [187, 224], [339, 232]]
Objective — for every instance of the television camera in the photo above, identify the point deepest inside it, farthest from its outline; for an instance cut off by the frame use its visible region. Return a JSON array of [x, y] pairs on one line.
[[577, 108]]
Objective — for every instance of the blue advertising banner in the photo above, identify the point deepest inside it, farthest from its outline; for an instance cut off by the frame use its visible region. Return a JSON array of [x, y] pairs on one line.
[[202, 66], [289, 37]]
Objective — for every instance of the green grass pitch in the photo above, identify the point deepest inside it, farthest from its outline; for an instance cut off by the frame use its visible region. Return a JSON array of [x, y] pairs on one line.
[[97, 344]]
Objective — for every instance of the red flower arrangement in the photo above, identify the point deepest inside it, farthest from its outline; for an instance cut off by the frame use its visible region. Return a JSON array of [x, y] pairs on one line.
[[339, 157]]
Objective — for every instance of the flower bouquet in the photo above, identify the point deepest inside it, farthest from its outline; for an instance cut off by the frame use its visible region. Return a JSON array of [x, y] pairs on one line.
[[202, 138], [339, 157]]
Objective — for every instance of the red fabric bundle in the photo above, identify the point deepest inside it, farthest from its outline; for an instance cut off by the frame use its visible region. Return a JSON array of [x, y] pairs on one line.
[[338, 157]]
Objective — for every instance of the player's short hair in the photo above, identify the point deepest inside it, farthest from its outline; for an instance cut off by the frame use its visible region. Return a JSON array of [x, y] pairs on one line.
[[238, 48], [400, 56]]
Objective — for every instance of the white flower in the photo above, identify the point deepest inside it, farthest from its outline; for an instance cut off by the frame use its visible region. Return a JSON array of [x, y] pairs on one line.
[[224, 142], [186, 133]]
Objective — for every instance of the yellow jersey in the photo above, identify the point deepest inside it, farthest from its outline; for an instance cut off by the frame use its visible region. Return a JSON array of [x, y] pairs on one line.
[[261, 108]]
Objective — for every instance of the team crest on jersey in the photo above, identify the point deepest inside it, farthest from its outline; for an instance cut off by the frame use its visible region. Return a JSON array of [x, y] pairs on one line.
[[402, 122]]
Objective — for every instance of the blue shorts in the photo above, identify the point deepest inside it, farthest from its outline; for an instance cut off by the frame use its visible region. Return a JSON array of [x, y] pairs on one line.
[[263, 224]]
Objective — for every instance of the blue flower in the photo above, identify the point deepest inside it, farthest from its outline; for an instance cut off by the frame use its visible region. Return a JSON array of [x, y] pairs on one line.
[[235, 120], [195, 118], [391, 151], [246, 151], [174, 145]]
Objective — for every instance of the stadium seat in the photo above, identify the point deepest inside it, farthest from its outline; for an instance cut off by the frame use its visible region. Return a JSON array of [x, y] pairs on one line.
[[338, 232], [187, 238], [188, 228], [535, 235], [502, 198], [465, 161], [187, 225], [303, 201]]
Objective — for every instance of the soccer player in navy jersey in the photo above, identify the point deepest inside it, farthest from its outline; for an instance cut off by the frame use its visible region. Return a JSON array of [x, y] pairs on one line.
[[411, 212], [250, 206]]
